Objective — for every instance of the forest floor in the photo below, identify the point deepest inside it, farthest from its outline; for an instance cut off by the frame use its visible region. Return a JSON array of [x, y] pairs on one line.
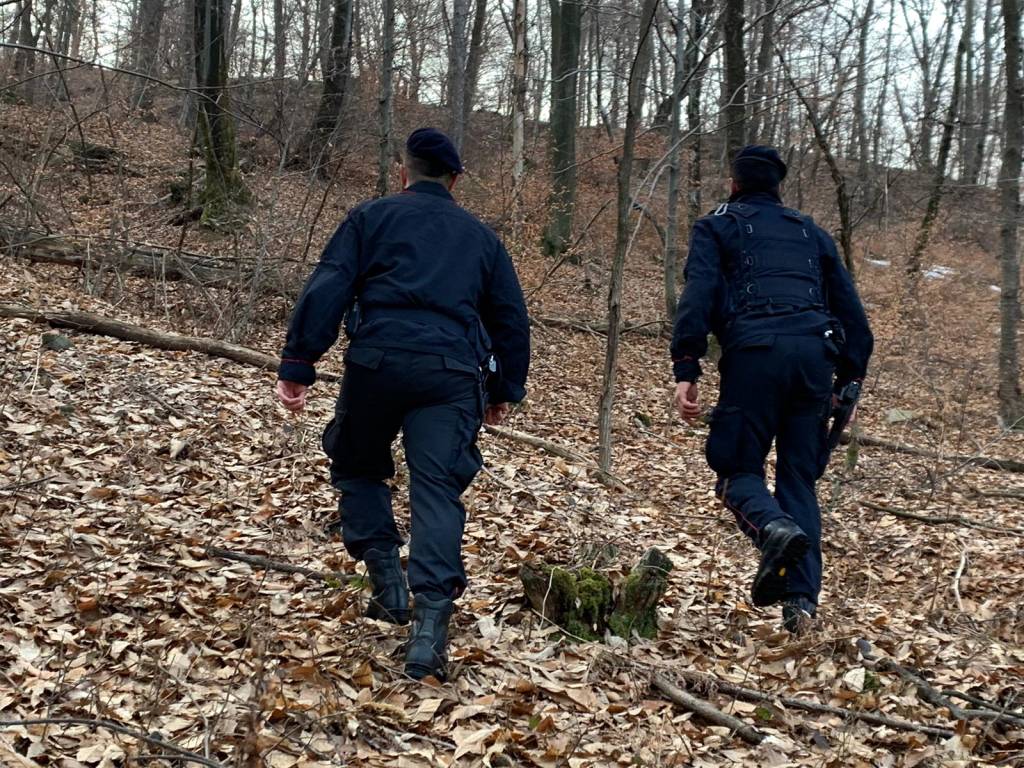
[[120, 465]]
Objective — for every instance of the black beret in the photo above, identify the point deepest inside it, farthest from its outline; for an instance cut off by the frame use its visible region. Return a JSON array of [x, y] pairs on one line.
[[431, 144], [758, 162]]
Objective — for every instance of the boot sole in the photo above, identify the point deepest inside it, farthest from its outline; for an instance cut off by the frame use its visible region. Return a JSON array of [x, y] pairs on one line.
[[380, 613], [770, 583], [419, 671]]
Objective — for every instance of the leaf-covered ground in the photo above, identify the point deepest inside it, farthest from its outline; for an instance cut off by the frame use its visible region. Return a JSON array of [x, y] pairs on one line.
[[120, 465]]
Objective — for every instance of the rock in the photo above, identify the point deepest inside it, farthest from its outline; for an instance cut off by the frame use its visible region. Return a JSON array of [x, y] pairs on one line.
[[56, 342]]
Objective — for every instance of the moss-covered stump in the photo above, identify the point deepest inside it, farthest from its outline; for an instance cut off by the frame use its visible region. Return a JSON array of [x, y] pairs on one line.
[[576, 600], [582, 600], [636, 608]]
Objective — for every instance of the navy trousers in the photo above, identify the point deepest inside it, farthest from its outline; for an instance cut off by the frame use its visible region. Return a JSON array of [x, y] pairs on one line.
[[775, 389], [437, 404]]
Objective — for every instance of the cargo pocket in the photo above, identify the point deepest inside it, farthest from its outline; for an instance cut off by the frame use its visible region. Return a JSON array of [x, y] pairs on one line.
[[725, 441], [466, 459], [329, 439], [824, 423]]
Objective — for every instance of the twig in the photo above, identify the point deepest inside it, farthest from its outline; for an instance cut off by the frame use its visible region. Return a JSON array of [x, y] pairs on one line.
[[258, 561], [26, 484], [985, 462], [942, 520], [587, 326], [558, 450], [110, 725], [956, 580], [707, 710]]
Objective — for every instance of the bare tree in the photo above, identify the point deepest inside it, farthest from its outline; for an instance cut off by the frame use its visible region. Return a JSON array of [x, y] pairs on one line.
[[1011, 401], [457, 60], [386, 98], [223, 187], [734, 94], [566, 28], [634, 104]]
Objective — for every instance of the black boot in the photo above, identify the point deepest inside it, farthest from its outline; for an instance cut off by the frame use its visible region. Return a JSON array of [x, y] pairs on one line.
[[783, 543], [427, 652], [797, 614], [390, 598]]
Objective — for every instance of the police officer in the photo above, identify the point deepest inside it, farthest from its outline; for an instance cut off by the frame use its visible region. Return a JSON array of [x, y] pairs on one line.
[[439, 341], [768, 282]]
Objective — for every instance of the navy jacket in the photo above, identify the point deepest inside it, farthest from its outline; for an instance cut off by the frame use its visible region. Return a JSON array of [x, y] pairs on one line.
[[714, 280], [428, 277]]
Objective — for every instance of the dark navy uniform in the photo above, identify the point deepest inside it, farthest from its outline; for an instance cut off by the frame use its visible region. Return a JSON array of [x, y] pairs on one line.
[[768, 282], [431, 295]]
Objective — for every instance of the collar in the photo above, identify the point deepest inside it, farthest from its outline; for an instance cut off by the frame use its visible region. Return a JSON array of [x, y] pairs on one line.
[[756, 197], [428, 188]]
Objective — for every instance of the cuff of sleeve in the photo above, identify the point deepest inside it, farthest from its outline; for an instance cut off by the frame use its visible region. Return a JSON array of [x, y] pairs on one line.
[[298, 371], [686, 370], [502, 391]]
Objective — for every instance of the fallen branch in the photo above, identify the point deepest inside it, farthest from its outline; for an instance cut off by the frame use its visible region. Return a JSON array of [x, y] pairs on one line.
[[928, 694], [985, 462], [709, 682], [119, 329], [258, 561], [652, 328], [942, 519], [558, 450], [180, 752], [706, 710]]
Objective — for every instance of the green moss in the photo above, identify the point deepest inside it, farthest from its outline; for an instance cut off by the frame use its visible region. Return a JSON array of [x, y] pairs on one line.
[[636, 611]]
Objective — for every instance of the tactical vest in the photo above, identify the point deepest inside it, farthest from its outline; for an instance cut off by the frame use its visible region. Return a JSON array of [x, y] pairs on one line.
[[778, 265]]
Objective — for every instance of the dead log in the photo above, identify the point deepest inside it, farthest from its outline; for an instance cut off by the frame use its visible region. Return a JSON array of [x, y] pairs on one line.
[[139, 259], [119, 329], [706, 710], [636, 608]]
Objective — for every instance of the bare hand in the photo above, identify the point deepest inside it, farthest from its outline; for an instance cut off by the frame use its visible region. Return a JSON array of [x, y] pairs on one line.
[[495, 414], [687, 400], [292, 395]]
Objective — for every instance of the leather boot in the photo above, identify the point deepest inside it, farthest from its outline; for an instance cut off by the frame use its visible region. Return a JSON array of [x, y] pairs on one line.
[[783, 543], [798, 614], [427, 652], [390, 599]]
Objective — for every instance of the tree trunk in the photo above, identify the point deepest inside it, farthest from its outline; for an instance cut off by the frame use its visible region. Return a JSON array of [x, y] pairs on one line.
[[318, 143], [634, 102], [147, 49], [672, 214], [387, 77], [764, 73], [519, 86], [474, 60], [280, 51], [457, 55], [860, 91], [566, 18], [935, 199], [223, 186], [985, 120], [1011, 402], [700, 11], [734, 111]]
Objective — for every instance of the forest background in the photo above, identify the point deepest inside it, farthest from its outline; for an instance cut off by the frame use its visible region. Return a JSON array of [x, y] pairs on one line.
[[168, 173]]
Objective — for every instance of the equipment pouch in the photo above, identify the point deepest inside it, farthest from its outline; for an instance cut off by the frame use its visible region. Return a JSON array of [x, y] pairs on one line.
[[352, 320]]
